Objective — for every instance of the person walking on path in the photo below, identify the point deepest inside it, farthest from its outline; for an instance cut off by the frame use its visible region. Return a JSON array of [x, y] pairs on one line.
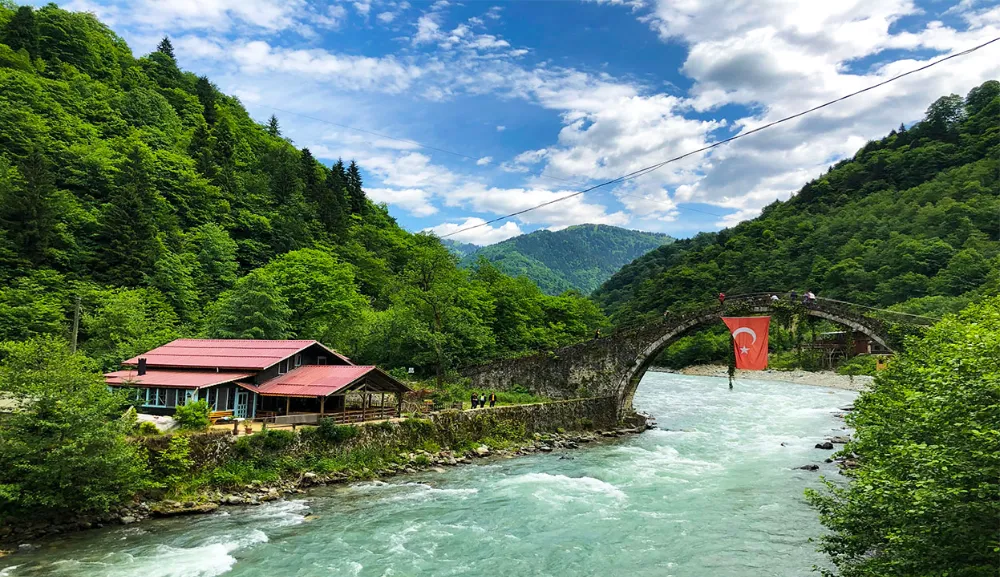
[[493, 399], [475, 399], [597, 334], [722, 300], [482, 400]]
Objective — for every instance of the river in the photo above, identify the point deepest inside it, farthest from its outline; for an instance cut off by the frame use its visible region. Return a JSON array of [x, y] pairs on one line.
[[712, 492]]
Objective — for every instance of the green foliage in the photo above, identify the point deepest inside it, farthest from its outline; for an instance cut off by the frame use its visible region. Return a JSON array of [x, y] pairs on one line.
[[193, 416], [173, 465], [253, 309], [859, 365], [331, 432], [924, 499], [910, 216], [64, 447], [147, 429], [577, 258]]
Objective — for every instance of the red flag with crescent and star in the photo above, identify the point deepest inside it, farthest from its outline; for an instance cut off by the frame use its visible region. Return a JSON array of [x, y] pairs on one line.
[[750, 341]]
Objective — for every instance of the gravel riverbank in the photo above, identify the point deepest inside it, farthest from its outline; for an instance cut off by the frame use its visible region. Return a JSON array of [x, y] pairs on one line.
[[828, 379]]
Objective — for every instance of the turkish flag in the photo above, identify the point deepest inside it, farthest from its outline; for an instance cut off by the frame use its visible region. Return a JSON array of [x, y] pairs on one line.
[[750, 341]]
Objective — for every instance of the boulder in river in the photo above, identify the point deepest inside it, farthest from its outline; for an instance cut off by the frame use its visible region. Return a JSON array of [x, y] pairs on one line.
[[825, 445], [809, 467]]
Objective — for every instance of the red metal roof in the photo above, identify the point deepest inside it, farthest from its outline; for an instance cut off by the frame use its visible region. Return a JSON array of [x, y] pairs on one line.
[[179, 379], [247, 354], [314, 380]]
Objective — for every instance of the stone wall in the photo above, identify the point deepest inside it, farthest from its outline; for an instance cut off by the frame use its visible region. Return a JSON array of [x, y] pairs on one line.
[[449, 428]]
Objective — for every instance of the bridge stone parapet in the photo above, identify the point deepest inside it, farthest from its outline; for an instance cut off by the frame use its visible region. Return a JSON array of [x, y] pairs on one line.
[[614, 365]]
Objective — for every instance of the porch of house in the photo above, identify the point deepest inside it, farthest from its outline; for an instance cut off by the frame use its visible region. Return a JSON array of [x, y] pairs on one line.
[[367, 402]]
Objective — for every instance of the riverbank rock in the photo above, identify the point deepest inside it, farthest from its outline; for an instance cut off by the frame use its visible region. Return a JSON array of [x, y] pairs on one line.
[[173, 508], [839, 440], [825, 445], [482, 451], [809, 467]]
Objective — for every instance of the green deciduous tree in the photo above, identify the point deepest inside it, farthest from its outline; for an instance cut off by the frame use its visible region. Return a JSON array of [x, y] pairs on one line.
[[252, 309], [321, 293], [118, 324], [63, 448], [924, 498]]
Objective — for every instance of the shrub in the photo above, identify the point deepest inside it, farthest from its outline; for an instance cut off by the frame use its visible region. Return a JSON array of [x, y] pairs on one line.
[[330, 431], [147, 429], [859, 365], [193, 416]]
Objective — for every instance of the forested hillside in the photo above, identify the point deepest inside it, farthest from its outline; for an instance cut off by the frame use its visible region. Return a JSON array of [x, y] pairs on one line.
[[911, 221], [151, 198], [576, 258]]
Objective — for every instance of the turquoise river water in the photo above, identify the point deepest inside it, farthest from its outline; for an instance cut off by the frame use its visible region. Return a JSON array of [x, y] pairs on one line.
[[712, 493]]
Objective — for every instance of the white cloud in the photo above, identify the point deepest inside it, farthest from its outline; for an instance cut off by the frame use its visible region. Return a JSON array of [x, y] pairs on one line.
[[197, 47], [484, 161], [335, 15], [501, 128], [219, 15], [363, 8], [481, 236], [386, 17], [414, 200], [350, 72]]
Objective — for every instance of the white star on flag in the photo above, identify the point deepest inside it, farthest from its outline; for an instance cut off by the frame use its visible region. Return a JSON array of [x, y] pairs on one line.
[[744, 350]]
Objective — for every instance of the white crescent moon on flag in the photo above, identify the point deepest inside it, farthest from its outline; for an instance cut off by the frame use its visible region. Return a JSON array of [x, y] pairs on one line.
[[747, 330]]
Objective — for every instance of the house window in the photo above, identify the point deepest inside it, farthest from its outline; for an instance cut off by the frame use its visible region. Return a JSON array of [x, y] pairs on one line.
[[283, 367], [156, 397], [320, 360], [171, 397], [212, 397], [298, 360]]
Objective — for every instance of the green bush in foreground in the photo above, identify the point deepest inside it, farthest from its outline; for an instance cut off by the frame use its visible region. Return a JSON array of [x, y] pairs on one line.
[[925, 500], [193, 416]]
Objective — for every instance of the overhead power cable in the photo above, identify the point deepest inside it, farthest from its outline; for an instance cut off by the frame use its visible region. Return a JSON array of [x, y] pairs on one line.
[[654, 167]]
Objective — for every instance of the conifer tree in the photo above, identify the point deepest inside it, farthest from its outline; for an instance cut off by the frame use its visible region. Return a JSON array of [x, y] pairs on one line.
[[272, 126], [206, 95], [129, 223], [331, 203], [30, 210], [355, 193], [166, 48], [22, 31]]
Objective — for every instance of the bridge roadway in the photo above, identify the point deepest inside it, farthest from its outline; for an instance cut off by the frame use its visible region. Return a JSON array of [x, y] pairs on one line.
[[614, 365]]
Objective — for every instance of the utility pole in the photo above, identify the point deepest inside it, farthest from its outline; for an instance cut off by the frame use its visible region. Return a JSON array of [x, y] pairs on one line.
[[76, 324]]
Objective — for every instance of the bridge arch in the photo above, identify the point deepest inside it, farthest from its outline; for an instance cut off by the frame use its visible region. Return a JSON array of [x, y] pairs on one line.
[[672, 331]]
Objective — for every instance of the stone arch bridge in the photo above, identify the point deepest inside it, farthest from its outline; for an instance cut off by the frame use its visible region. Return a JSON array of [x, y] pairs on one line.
[[613, 365]]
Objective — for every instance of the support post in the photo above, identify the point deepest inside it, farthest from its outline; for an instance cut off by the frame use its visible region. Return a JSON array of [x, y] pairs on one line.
[[364, 401], [322, 405], [381, 407], [288, 405]]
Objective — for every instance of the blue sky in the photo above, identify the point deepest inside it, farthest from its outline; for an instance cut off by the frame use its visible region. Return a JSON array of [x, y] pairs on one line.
[[528, 101]]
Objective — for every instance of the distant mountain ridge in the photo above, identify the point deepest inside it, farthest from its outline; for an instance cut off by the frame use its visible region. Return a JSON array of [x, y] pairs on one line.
[[578, 258]]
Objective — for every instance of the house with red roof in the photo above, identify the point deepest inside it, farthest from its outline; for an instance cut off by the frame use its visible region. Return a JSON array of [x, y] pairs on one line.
[[258, 379]]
